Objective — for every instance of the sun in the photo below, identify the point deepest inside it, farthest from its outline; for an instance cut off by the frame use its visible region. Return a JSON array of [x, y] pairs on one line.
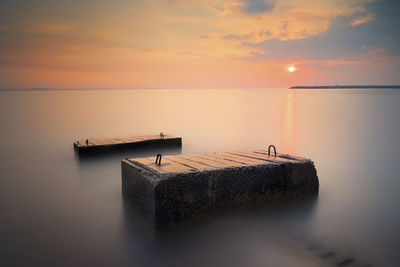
[[291, 68]]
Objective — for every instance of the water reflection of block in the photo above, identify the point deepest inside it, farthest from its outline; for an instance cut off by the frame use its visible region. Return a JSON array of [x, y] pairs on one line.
[[185, 187]]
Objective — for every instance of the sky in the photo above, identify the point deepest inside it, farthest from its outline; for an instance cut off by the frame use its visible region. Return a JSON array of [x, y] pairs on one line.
[[198, 43]]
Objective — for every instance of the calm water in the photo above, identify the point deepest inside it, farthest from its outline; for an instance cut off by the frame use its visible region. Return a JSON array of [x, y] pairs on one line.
[[58, 210]]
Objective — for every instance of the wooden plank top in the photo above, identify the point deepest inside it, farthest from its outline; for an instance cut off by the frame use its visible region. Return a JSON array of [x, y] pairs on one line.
[[103, 142], [203, 162]]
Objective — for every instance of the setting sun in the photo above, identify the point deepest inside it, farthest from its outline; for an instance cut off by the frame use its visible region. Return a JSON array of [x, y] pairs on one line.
[[291, 69]]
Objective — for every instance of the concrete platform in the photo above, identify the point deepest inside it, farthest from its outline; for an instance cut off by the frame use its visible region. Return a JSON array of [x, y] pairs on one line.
[[90, 146], [185, 187]]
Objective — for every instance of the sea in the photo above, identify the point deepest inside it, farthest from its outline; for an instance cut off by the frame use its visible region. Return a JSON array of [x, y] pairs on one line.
[[59, 209]]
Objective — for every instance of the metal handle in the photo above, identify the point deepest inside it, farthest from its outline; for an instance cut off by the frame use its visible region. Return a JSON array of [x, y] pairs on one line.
[[161, 135], [158, 158], [269, 150]]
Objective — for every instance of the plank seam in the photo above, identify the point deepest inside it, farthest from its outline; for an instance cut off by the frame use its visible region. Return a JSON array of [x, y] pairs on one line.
[[248, 156], [197, 162], [233, 160], [183, 164], [214, 160]]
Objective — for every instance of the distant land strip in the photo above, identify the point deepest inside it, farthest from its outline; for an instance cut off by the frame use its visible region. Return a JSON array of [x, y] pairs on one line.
[[348, 87], [35, 89]]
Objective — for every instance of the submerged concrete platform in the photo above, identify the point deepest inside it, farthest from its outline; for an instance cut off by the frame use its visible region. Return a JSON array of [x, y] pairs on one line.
[[89, 146], [184, 187]]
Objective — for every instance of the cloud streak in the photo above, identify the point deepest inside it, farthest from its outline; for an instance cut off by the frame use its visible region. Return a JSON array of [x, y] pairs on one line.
[[361, 20]]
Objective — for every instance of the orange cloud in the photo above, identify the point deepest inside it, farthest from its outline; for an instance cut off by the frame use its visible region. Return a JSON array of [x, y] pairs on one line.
[[163, 43], [173, 27]]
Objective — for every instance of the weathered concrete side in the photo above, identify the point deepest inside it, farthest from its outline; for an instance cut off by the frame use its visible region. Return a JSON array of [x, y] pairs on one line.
[[170, 198], [138, 185]]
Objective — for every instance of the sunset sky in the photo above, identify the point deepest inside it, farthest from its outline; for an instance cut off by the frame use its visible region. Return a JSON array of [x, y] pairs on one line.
[[198, 44]]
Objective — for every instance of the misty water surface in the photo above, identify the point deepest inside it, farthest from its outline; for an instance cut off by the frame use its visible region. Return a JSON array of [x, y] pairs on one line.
[[59, 210]]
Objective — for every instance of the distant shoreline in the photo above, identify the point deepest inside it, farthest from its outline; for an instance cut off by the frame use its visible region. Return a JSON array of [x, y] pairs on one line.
[[348, 87], [118, 89]]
